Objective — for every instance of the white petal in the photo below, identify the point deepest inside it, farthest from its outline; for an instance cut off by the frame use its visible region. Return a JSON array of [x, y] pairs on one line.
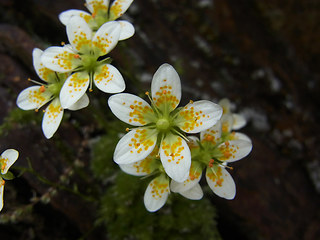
[[238, 121], [41, 70], [135, 145], [227, 122], [143, 167], [7, 158], [108, 79], [118, 7], [194, 193], [60, 59], [222, 183], [127, 30], [175, 157], [81, 103], [198, 116], [225, 104], [107, 37], [193, 142], [131, 109], [52, 118], [79, 34], [212, 134], [240, 136], [74, 88], [166, 88], [193, 179], [33, 98], [234, 150], [156, 194], [1, 193], [65, 16], [94, 5]]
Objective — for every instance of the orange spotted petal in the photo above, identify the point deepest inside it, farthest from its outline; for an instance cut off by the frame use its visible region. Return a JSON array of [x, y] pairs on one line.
[[52, 118], [118, 7], [107, 37], [7, 158], [65, 16], [175, 157], [226, 122], [221, 182], [43, 72], [127, 30], [33, 98], [81, 103], [156, 194], [198, 116], [143, 167], [95, 5], [135, 145], [231, 151], [74, 88], [60, 59], [192, 180], [166, 88], [194, 193], [79, 34], [239, 136], [131, 109], [108, 79], [212, 135]]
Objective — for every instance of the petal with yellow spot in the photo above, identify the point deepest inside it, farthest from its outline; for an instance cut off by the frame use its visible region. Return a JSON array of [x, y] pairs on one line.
[[52, 118], [108, 79], [135, 145], [198, 116], [131, 109], [221, 182], [175, 157], [156, 193], [74, 88], [194, 177], [7, 159], [234, 150], [33, 98]]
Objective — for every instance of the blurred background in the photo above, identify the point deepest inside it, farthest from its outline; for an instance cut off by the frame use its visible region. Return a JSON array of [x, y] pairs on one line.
[[261, 54]]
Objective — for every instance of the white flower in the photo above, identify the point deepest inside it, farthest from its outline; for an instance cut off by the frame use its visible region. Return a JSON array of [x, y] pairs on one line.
[[36, 96], [158, 189], [161, 122], [81, 57], [7, 158], [214, 153], [230, 121], [101, 13]]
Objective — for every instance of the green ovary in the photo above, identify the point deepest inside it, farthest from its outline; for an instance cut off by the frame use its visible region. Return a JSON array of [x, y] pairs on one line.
[[163, 124]]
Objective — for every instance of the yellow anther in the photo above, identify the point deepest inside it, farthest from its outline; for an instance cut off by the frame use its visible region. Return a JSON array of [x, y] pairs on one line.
[[63, 43]]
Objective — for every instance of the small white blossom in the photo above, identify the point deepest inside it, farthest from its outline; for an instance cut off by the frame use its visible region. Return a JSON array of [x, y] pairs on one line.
[[7, 159], [48, 90], [81, 57], [161, 122], [101, 13]]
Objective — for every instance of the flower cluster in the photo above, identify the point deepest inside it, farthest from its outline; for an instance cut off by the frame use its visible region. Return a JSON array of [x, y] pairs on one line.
[[162, 142], [7, 158], [67, 72], [158, 144]]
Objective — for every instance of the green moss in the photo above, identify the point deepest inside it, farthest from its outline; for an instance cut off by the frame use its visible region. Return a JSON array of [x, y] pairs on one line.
[[18, 117]]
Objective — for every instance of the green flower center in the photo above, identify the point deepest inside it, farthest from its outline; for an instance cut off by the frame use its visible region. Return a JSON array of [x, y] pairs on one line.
[[89, 62], [163, 124]]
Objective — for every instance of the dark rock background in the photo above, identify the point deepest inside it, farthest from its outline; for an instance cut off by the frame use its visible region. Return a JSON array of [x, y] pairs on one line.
[[262, 55]]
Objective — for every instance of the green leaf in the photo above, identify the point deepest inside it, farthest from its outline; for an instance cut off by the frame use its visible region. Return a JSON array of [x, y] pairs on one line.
[[8, 176]]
